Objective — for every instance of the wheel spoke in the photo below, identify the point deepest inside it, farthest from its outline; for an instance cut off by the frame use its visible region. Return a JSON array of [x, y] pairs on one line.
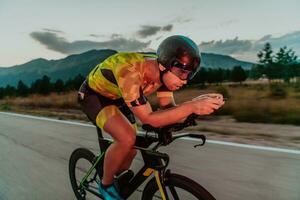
[[157, 196], [81, 164]]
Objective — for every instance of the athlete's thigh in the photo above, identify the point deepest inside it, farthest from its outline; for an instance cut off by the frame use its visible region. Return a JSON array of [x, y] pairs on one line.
[[120, 128]]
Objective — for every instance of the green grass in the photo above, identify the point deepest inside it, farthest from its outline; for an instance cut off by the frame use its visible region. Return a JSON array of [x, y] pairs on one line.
[[5, 107]]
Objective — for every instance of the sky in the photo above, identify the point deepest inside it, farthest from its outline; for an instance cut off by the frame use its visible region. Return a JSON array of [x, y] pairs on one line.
[[31, 29]]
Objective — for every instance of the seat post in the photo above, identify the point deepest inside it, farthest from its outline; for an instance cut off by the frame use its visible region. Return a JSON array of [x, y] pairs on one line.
[[103, 144], [99, 133]]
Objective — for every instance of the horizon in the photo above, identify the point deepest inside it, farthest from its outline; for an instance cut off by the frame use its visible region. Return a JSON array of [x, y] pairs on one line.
[[107, 49], [226, 28]]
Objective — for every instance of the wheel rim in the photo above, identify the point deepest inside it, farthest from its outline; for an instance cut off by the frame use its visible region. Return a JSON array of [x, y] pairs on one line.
[[81, 169], [175, 193]]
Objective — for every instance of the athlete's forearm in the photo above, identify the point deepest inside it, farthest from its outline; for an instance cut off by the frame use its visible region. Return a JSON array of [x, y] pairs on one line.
[[170, 115]]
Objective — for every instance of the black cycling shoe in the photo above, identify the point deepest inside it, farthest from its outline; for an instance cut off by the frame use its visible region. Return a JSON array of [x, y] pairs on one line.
[[123, 178]]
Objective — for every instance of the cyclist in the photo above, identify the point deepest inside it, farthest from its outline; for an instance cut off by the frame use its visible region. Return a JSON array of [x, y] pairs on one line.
[[115, 91]]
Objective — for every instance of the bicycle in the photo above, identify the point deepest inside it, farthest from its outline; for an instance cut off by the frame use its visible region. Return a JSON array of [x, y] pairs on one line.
[[163, 185]]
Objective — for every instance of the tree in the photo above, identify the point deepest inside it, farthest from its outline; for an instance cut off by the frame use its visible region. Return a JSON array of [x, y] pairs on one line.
[[285, 57], [226, 74], [257, 71], [58, 86], [10, 91], [42, 86], [78, 80], [219, 75], [210, 76], [281, 66], [200, 77], [22, 89], [238, 74], [2, 94], [74, 84], [265, 55]]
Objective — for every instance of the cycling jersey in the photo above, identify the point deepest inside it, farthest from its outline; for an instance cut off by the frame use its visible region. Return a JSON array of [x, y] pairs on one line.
[[122, 76]]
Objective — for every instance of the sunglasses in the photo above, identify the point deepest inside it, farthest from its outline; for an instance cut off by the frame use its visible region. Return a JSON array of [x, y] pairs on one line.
[[180, 73], [180, 70]]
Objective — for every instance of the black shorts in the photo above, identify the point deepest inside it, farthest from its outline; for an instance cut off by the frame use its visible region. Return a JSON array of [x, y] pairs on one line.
[[99, 108]]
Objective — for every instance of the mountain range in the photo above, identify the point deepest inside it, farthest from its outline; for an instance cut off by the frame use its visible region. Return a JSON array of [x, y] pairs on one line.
[[71, 66]]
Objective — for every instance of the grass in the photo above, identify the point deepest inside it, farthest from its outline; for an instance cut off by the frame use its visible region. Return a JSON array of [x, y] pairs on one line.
[[246, 103], [5, 107], [61, 101]]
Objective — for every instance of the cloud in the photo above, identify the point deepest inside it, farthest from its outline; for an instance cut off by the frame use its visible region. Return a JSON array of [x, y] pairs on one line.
[[52, 30], [290, 39], [56, 43], [227, 46], [228, 22], [112, 36], [248, 49], [167, 27], [94, 35], [115, 35], [181, 20], [147, 30]]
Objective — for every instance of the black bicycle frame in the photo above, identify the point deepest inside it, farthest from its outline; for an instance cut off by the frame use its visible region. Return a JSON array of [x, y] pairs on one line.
[[154, 161]]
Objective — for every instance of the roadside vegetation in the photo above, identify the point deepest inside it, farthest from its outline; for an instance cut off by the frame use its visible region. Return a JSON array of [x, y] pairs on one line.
[[268, 103], [269, 92]]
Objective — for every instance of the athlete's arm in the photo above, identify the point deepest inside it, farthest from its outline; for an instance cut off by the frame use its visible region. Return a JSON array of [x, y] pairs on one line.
[[203, 106], [166, 102], [161, 117]]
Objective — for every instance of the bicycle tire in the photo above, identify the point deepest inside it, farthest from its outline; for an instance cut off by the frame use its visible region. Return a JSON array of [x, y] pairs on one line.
[[78, 154], [177, 181]]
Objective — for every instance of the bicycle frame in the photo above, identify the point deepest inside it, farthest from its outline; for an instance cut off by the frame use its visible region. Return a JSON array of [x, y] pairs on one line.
[[154, 162]]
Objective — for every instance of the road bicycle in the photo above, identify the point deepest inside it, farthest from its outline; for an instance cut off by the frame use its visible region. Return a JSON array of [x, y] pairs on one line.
[[86, 168]]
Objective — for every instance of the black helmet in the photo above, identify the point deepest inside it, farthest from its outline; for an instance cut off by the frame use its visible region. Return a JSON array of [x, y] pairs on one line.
[[179, 51]]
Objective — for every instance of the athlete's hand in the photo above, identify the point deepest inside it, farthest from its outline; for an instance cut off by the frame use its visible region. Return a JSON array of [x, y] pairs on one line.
[[212, 95], [207, 104]]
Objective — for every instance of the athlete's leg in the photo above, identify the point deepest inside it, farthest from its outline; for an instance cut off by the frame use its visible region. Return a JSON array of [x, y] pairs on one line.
[[127, 162], [121, 150], [108, 117]]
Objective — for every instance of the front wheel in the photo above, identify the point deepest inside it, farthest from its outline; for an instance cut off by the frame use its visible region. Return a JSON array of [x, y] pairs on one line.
[[81, 161], [178, 188]]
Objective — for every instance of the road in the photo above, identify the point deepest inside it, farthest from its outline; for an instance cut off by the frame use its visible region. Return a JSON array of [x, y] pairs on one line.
[[34, 157]]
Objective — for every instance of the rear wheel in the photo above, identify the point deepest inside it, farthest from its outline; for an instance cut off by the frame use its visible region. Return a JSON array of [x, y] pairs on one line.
[[178, 187], [80, 162]]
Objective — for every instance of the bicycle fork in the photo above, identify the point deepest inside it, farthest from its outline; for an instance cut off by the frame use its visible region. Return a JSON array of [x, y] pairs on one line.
[[157, 163], [161, 185]]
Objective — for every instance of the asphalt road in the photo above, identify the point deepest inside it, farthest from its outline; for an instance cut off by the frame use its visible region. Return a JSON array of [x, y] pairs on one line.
[[34, 157]]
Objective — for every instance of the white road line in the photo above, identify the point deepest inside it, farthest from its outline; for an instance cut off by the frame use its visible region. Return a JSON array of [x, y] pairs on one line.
[[48, 119], [291, 151]]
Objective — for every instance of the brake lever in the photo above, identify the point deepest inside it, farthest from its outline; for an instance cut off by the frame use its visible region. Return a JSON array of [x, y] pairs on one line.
[[203, 138], [191, 120]]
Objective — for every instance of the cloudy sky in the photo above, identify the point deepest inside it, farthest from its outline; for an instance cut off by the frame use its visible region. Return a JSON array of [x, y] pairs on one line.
[[53, 29]]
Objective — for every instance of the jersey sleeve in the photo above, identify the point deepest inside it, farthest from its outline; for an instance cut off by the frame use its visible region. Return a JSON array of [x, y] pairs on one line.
[[130, 82], [163, 91]]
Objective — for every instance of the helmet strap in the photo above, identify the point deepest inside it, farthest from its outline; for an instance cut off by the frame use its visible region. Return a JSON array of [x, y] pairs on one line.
[[161, 76]]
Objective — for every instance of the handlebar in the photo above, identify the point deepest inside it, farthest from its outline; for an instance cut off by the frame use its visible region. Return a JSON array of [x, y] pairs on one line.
[[165, 133], [189, 121]]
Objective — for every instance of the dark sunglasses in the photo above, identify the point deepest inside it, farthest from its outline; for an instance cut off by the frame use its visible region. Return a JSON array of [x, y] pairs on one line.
[[180, 73]]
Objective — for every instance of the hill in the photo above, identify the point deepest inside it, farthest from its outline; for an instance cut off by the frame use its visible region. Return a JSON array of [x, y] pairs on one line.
[[73, 65]]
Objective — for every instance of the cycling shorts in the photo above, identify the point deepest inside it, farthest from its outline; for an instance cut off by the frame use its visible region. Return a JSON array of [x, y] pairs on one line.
[[99, 108]]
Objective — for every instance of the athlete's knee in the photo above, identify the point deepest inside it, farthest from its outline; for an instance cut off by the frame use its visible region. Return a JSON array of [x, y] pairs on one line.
[[129, 140], [133, 153]]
